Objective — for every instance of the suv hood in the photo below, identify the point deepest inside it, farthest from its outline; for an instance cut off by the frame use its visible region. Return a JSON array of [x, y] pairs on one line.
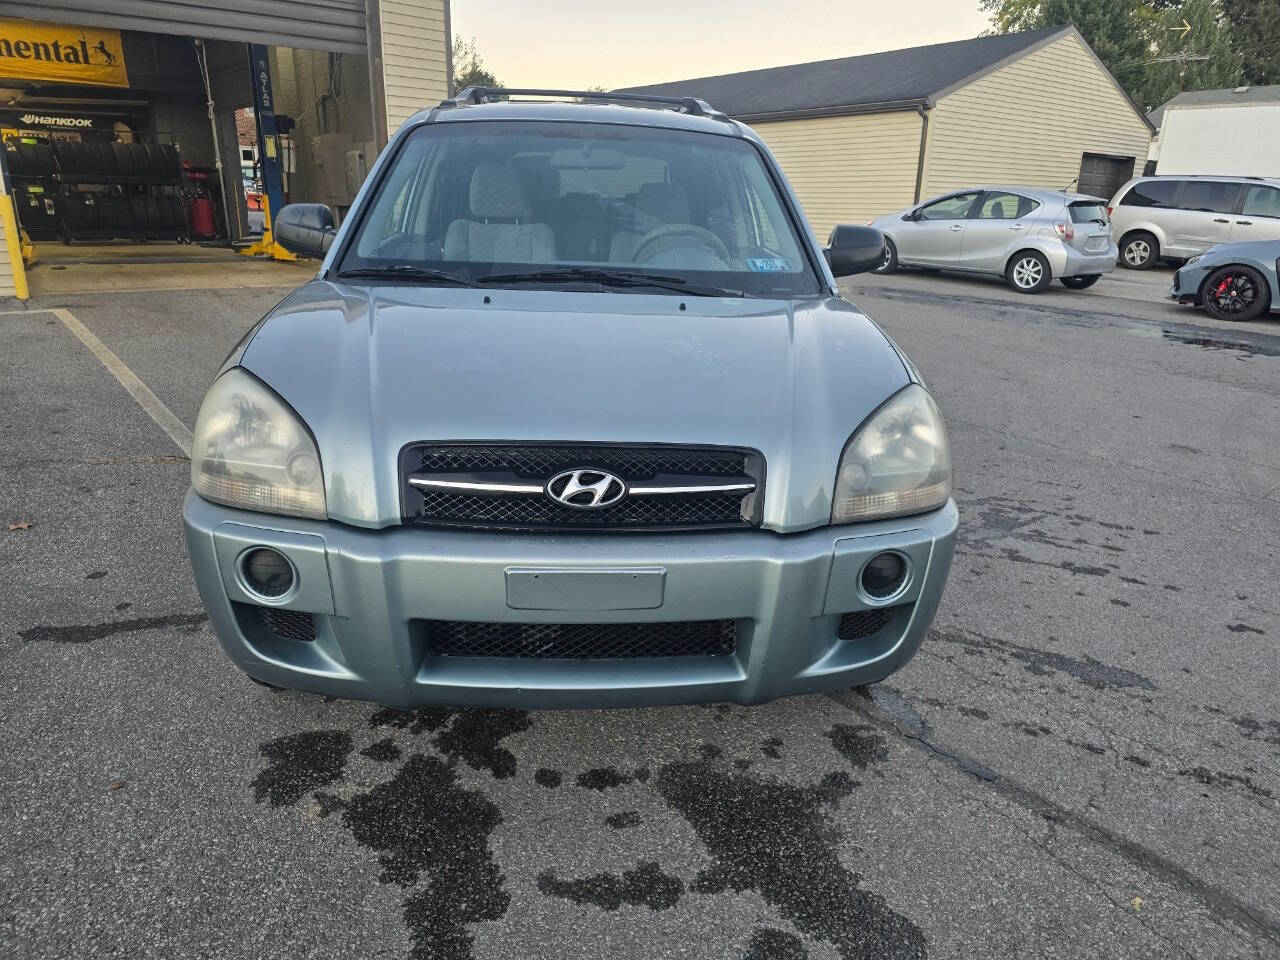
[[371, 369]]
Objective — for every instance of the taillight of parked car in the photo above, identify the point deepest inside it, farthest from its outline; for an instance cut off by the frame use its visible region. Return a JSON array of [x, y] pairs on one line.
[[1109, 209], [1065, 230]]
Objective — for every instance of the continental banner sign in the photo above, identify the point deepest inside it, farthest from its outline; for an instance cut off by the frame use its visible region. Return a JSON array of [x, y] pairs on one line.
[[53, 53]]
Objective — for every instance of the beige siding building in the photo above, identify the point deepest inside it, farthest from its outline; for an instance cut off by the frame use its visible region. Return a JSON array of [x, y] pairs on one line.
[[863, 136]]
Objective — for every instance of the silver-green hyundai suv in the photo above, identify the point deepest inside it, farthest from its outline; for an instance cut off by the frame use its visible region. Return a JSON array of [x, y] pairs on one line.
[[573, 414]]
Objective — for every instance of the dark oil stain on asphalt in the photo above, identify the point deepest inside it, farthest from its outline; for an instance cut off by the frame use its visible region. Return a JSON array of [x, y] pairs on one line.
[[423, 823], [1208, 341], [770, 944], [1223, 781], [474, 736], [1245, 628], [604, 778], [422, 720], [299, 764], [548, 778], [624, 820], [86, 633], [776, 839], [1266, 730], [645, 886], [860, 744], [770, 747], [1092, 673], [384, 751], [95, 575], [475, 739]]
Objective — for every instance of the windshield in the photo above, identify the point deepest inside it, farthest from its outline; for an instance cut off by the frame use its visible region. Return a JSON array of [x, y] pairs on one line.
[[531, 203]]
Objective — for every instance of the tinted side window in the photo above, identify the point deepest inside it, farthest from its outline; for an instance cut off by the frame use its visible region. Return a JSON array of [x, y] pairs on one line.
[[1262, 202], [1005, 206], [1150, 193], [949, 208], [1209, 196]]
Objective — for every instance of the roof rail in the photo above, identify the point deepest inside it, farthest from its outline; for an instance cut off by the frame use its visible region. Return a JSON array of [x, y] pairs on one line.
[[477, 95]]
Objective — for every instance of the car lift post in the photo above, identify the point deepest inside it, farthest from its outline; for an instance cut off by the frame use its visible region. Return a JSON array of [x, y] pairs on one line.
[[268, 154]]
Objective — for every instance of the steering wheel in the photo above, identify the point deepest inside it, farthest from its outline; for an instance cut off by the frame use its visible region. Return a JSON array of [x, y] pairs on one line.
[[673, 230]]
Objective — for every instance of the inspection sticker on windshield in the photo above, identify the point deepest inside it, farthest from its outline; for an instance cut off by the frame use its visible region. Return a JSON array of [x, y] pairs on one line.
[[769, 265]]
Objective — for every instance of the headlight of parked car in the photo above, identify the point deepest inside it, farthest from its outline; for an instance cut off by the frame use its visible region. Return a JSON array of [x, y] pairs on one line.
[[1190, 260], [897, 463], [249, 450]]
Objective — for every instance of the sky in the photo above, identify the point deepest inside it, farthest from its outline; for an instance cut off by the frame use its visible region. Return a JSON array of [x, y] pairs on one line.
[[577, 44]]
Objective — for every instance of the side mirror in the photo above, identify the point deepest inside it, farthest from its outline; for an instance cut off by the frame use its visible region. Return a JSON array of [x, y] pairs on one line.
[[911, 215], [305, 229], [855, 250]]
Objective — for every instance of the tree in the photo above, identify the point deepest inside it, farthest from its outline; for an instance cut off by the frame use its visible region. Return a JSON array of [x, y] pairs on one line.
[[468, 66], [1140, 41], [1255, 34]]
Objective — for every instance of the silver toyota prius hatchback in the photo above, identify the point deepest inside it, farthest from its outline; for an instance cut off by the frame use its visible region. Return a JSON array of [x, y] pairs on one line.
[[572, 415]]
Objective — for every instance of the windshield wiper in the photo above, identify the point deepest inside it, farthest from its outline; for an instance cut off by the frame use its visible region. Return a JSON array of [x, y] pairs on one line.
[[613, 278], [405, 272]]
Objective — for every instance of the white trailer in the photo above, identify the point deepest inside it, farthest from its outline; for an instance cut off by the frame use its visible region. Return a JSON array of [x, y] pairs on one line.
[[1239, 140]]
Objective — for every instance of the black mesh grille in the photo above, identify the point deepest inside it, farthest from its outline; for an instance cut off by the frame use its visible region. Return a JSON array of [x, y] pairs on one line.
[[863, 623], [288, 624], [538, 463], [581, 641]]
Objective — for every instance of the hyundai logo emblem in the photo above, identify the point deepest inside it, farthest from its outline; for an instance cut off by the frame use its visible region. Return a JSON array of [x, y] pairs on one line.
[[586, 489]]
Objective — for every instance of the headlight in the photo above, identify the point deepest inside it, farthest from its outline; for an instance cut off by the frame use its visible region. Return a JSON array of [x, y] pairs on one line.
[[249, 450], [1190, 260], [897, 463]]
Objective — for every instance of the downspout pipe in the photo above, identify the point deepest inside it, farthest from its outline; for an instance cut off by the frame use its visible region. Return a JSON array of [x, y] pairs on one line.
[[923, 110]]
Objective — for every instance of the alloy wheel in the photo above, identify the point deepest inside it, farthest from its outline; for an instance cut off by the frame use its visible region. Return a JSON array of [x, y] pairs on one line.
[[1235, 293], [1028, 272], [1137, 252]]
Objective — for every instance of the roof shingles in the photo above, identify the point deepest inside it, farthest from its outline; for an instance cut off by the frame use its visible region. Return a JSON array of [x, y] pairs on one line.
[[858, 83]]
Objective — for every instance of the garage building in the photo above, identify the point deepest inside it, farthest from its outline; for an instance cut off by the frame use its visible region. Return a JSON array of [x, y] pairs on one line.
[[862, 136], [108, 137]]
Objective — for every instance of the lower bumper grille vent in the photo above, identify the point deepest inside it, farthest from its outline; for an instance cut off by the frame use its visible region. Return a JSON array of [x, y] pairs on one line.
[[863, 623], [288, 624], [582, 641]]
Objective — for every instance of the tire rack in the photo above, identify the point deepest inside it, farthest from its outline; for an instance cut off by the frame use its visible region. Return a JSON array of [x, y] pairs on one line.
[[99, 191]]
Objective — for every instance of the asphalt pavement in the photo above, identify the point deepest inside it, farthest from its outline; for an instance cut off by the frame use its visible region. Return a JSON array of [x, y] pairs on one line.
[[1083, 760]]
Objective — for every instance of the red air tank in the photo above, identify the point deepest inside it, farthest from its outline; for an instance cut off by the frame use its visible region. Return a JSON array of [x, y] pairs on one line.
[[200, 213]]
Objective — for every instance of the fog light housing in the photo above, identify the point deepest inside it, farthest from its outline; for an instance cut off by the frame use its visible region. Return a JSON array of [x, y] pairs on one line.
[[267, 573], [884, 575]]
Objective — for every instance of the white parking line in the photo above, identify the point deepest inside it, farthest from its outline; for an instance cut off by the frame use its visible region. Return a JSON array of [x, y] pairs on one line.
[[155, 408]]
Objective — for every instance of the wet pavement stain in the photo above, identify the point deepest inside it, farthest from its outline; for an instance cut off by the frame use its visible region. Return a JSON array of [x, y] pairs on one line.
[[299, 764], [796, 868], [1245, 628], [770, 748], [624, 820], [423, 720], [1266, 730], [860, 744], [1092, 673], [88, 632], [1208, 341], [770, 944], [645, 886], [548, 778], [423, 824], [475, 736], [604, 778], [1224, 781], [384, 751]]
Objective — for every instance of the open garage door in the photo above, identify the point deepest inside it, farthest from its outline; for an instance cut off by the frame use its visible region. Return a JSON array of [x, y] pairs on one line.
[[337, 26]]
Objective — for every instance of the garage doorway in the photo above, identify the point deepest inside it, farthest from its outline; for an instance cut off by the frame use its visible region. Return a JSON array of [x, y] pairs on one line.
[[1101, 176]]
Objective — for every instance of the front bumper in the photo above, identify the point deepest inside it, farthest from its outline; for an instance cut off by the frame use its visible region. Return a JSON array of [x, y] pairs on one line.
[[372, 592], [1186, 283]]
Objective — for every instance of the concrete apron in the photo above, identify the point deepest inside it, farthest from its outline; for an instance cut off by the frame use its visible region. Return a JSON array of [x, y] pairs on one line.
[[121, 268]]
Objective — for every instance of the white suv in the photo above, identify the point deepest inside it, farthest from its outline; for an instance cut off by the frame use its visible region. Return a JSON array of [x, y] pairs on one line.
[[1172, 218]]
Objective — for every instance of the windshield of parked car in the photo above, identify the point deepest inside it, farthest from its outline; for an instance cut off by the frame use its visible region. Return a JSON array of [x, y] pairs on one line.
[[534, 203]]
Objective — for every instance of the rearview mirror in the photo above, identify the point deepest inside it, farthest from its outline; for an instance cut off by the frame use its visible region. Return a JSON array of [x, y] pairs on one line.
[[305, 229], [855, 250]]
